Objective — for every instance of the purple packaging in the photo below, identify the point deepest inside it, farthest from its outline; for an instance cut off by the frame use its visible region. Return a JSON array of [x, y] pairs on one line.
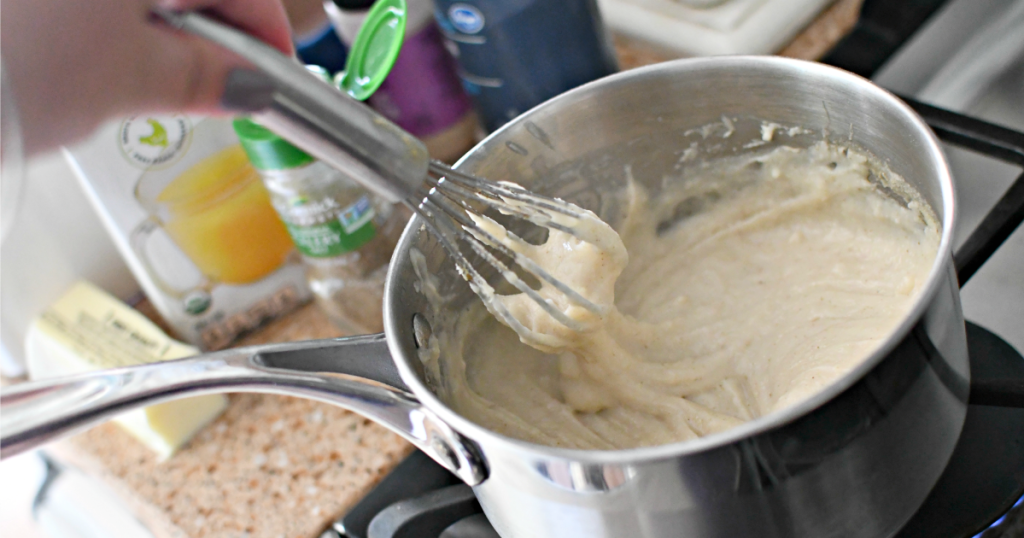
[[423, 94]]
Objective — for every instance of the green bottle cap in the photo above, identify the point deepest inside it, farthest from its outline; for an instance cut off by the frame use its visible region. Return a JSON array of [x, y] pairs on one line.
[[370, 59], [374, 50], [266, 150]]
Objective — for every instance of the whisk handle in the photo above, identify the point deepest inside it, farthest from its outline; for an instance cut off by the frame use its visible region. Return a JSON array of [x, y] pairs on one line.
[[283, 96]]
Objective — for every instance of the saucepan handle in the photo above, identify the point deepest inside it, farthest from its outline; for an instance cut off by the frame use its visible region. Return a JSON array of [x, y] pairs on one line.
[[354, 373]]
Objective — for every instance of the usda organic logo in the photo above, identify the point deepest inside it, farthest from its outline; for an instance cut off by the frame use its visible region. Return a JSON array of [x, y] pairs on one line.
[[154, 142], [466, 18], [197, 302]]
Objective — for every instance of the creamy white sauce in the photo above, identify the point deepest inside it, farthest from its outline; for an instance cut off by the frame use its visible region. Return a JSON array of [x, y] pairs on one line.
[[776, 276]]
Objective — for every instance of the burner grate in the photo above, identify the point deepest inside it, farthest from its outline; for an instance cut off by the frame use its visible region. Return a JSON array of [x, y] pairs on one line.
[[996, 142]]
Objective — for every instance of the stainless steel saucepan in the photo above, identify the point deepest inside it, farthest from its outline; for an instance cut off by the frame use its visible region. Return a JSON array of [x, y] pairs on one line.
[[853, 461]]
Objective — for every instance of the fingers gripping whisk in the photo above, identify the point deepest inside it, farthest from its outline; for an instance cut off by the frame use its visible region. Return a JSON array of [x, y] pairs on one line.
[[451, 206], [281, 95]]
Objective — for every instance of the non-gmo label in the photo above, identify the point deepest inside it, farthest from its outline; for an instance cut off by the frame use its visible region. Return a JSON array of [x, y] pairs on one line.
[[356, 215]]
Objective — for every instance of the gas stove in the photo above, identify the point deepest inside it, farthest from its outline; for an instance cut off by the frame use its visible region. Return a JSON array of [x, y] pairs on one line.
[[980, 492]]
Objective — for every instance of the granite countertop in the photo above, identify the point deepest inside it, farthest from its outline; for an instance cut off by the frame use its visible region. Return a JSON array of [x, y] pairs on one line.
[[274, 466], [270, 466]]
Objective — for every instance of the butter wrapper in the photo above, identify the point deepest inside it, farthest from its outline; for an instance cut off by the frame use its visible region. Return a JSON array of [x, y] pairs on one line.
[[88, 329]]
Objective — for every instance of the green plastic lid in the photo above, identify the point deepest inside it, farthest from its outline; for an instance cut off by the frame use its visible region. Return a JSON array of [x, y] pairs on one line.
[[370, 59], [374, 50], [266, 150]]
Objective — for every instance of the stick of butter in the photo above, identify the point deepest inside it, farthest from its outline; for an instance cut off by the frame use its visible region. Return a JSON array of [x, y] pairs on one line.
[[87, 329]]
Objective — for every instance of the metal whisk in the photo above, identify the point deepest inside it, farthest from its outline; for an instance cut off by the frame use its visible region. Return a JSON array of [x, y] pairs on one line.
[[445, 207], [283, 96]]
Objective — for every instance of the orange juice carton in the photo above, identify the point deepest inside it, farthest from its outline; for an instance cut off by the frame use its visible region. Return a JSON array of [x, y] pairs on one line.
[[192, 219]]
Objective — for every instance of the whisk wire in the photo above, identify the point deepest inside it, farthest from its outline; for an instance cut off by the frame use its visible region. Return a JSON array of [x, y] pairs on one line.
[[506, 191], [446, 207], [479, 238], [531, 266], [528, 212], [443, 227]]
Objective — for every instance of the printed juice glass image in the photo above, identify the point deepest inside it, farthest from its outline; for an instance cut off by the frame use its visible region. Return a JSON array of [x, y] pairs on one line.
[[218, 213]]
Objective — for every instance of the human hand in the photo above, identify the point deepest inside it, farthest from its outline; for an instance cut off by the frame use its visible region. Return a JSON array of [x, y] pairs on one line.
[[73, 64]]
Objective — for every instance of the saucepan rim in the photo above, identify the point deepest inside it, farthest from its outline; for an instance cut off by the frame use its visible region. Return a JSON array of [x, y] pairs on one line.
[[938, 272]]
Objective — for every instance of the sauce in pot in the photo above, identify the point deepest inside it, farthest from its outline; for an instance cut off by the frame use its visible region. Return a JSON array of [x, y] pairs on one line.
[[750, 284]]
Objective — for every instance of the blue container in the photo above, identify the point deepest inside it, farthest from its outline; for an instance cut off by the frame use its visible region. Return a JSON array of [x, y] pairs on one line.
[[515, 54], [322, 48]]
